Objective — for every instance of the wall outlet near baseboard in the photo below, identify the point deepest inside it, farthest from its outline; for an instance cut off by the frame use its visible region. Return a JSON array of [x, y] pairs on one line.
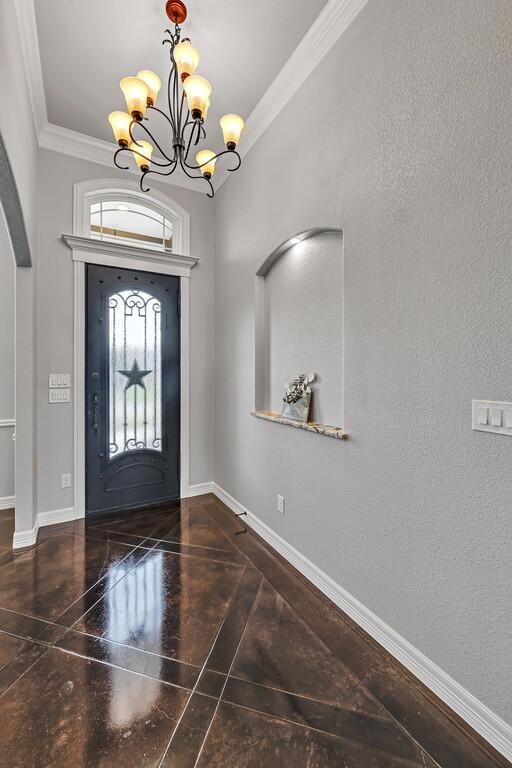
[[65, 481], [280, 505]]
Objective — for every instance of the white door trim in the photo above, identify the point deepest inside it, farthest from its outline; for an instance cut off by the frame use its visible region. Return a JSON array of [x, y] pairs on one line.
[[84, 251]]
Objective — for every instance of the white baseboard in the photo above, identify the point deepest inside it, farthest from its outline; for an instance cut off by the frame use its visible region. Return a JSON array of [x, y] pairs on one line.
[[7, 502], [485, 722], [29, 537], [25, 538], [199, 489]]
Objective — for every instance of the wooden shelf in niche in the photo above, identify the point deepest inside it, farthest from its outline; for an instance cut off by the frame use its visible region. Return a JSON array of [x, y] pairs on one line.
[[309, 426]]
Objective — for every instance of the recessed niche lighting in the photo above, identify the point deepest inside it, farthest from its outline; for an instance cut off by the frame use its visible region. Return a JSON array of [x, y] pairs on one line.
[[122, 207]]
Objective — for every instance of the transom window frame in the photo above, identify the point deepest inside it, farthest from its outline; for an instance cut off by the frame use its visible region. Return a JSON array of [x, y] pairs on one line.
[[88, 250], [133, 237], [87, 194]]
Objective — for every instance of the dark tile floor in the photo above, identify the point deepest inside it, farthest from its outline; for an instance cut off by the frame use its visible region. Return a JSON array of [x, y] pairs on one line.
[[163, 639]]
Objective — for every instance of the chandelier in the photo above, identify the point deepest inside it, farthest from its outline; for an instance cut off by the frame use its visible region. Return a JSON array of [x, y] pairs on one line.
[[188, 99]]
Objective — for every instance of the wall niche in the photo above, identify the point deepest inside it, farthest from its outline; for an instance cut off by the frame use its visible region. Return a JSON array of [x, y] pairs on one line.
[[299, 328]]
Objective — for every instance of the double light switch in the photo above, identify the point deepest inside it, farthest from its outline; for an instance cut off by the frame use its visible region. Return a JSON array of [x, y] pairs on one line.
[[59, 388], [492, 416]]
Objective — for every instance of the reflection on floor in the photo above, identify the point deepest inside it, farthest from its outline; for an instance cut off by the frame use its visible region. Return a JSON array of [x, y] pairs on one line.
[[161, 639]]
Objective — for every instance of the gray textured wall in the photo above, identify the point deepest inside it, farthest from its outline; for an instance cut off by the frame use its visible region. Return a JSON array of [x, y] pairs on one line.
[[58, 173], [403, 138]]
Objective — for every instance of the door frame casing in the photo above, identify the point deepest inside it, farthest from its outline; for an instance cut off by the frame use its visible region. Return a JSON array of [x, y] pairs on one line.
[[87, 250]]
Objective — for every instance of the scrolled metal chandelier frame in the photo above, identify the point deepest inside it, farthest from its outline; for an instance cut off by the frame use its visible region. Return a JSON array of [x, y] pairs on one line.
[[188, 100]]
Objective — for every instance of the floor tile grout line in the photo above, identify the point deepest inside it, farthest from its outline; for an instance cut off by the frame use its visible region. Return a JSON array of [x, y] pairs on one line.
[[293, 694], [204, 666], [307, 585], [133, 648], [402, 760], [196, 557], [204, 509], [31, 617], [7, 663], [25, 671], [118, 666], [99, 581], [228, 673]]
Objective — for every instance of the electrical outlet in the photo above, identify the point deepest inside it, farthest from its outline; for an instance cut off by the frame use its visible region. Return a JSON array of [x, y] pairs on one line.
[[65, 481], [280, 504]]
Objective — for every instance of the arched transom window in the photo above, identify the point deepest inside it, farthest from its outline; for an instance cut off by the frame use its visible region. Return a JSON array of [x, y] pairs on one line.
[[116, 211], [126, 221]]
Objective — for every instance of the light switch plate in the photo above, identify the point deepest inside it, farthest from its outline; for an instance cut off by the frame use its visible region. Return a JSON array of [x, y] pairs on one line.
[[59, 396], [492, 416], [59, 380]]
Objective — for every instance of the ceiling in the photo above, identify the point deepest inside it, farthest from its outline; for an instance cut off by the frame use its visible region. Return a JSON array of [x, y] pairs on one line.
[[87, 47]]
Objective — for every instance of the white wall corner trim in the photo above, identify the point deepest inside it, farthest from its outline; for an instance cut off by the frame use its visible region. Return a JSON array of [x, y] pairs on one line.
[[53, 517], [329, 25], [29, 41], [485, 722], [8, 502]]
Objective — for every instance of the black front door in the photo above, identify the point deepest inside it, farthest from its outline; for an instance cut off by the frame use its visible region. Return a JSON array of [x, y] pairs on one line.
[[132, 389]]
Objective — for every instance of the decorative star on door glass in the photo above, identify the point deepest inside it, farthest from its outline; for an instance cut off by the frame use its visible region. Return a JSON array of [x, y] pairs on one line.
[[134, 376]]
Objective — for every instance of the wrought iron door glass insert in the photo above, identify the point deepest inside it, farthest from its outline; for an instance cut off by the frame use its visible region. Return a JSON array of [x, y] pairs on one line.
[[135, 374], [188, 100]]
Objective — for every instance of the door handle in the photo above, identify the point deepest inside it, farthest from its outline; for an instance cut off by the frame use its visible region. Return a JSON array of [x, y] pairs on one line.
[[95, 412]]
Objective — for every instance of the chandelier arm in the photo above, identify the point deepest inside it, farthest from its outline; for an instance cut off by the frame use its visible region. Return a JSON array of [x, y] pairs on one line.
[[170, 86], [196, 142], [161, 112], [184, 167], [158, 173], [118, 152], [181, 112], [193, 123], [170, 159], [176, 101]]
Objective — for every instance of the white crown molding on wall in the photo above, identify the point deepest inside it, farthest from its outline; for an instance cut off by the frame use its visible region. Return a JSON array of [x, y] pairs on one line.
[[316, 43], [485, 722], [75, 144], [327, 28]]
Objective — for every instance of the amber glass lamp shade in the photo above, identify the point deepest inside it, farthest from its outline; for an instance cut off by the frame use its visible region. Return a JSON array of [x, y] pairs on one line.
[[186, 58], [198, 91], [232, 126], [153, 83], [143, 150], [136, 94], [206, 159], [120, 123]]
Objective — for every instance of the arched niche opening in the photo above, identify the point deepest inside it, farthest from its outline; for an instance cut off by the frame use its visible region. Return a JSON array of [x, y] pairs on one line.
[[299, 327]]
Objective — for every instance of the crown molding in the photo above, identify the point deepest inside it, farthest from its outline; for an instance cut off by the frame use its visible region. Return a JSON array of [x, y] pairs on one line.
[[68, 142], [327, 28]]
